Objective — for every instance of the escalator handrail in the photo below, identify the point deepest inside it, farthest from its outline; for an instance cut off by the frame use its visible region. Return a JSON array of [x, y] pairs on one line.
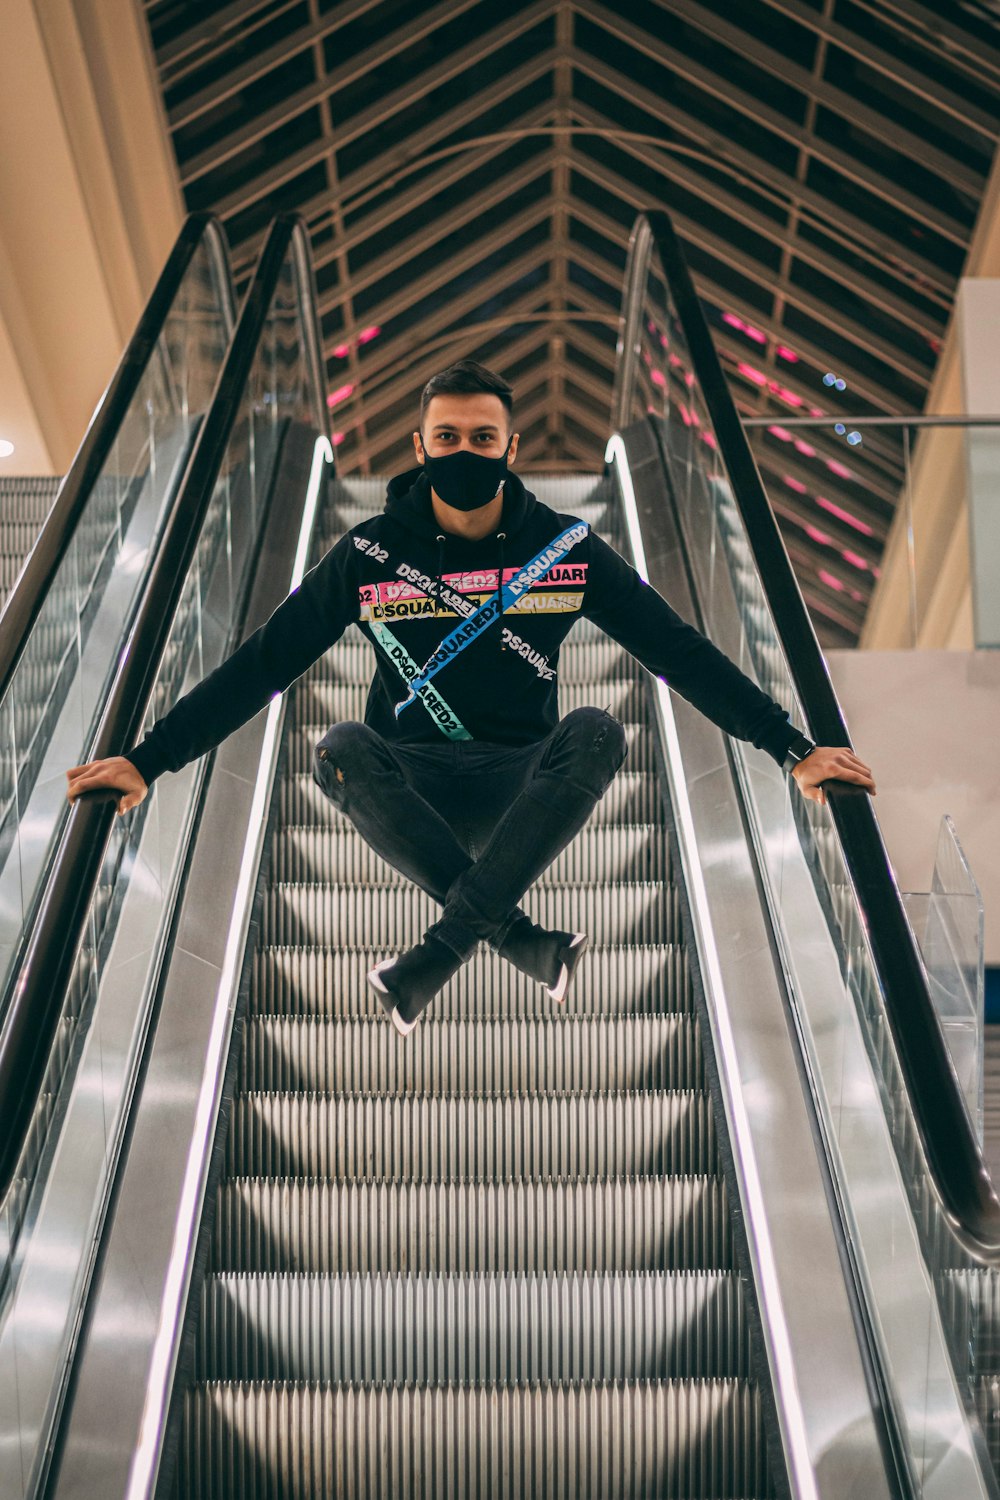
[[26, 600], [959, 1174], [38, 998]]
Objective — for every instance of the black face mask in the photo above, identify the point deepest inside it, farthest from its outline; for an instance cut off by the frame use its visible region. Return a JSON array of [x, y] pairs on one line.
[[465, 479]]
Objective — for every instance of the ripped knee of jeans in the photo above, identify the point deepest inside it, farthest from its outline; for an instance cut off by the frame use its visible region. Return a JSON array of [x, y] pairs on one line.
[[323, 754]]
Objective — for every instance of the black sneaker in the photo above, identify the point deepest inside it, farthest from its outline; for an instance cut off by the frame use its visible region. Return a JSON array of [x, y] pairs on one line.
[[545, 954], [406, 985]]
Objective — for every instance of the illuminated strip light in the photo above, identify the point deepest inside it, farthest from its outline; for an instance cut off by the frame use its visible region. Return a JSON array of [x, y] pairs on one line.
[[142, 1474], [786, 1389]]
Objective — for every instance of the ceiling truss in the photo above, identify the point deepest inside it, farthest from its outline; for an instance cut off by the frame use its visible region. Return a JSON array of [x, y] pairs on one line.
[[470, 175]]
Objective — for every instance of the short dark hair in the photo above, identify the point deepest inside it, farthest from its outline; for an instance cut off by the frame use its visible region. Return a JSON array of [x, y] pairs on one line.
[[466, 378]]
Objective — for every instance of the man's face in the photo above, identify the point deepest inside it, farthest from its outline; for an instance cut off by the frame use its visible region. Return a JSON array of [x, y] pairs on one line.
[[477, 421]]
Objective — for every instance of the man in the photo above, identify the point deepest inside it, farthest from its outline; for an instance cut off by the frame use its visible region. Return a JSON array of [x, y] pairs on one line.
[[462, 776]]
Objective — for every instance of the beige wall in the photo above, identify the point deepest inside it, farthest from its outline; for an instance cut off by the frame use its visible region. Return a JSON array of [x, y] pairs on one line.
[[939, 482], [89, 208], [928, 724]]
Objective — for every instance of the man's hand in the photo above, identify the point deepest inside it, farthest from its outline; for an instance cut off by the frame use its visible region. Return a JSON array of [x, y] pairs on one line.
[[827, 763], [116, 772]]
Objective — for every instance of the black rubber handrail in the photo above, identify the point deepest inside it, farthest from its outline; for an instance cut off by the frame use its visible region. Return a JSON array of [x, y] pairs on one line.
[[38, 997], [24, 604], [958, 1171]]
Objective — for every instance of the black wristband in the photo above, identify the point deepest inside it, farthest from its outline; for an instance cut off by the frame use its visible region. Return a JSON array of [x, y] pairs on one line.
[[800, 747]]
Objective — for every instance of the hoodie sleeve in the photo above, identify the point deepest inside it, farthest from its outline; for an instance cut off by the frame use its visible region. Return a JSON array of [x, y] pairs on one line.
[[635, 615], [301, 629]]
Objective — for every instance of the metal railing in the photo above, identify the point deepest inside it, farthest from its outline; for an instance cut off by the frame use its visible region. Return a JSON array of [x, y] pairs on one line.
[[58, 930]]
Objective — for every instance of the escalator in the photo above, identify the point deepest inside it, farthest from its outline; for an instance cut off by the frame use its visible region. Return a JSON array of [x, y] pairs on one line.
[[676, 1239], [24, 504], [505, 1237]]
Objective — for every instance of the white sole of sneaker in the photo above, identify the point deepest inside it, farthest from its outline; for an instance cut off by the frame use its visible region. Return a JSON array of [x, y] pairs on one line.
[[403, 1027], [561, 986]]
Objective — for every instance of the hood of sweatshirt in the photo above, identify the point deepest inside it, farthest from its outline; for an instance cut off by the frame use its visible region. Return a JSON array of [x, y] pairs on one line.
[[409, 501]]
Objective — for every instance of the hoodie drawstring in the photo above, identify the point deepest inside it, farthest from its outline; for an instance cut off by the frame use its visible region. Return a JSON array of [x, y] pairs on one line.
[[500, 539], [440, 571], [440, 562]]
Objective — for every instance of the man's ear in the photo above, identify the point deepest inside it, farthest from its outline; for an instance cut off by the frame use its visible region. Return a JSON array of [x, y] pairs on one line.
[[513, 447], [418, 447]]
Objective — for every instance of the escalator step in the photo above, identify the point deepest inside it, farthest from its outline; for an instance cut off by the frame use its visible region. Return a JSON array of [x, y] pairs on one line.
[[611, 981], [510, 1055], [611, 1224], [508, 1329], [633, 912], [695, 1440], [444, 1137]]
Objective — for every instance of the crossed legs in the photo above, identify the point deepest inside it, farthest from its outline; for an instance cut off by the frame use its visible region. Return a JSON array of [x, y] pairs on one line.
[[563, 780]]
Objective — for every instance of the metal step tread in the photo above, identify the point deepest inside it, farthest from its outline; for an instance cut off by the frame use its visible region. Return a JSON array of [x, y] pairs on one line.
[[613, 1222], [615, 979], [597, 1440], [632, 911], [493, 1326], [561, 1053], [446, 1137]]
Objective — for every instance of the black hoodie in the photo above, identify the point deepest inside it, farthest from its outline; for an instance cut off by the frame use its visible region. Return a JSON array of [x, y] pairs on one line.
[[428, 602]]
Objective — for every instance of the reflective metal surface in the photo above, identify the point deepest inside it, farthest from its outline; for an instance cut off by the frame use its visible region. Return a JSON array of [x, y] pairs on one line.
[[829, 1432]]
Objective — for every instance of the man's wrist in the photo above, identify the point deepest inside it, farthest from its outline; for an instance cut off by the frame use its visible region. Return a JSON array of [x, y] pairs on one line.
[[797, 751]]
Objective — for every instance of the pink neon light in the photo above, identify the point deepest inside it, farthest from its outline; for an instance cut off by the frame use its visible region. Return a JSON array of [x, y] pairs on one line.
[[816, 411], [367, 334], [782, 433], [844, 515], [828, 578], [854, 560], [340, 394], [658, 378], [341, 351], [785, 394], [685, 414], [819, 536], [783, 352], [757, 376], [841, 470], [747, 328], [794, 484], [675, 361], [338, 438], [806, 448], [709, 438]]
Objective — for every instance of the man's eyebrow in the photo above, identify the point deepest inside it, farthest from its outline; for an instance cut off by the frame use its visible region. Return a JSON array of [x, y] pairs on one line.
[[451, 427]]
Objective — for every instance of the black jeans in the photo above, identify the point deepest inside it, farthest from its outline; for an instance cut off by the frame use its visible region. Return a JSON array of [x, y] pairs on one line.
[[472, 823]]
